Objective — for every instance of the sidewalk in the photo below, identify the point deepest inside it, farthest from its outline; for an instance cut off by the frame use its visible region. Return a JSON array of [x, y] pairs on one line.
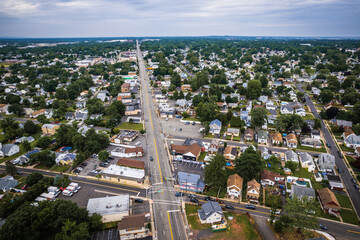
[[263, 228]]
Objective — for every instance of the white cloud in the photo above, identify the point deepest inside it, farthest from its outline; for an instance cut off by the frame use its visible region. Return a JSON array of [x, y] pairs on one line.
[[18, 7]]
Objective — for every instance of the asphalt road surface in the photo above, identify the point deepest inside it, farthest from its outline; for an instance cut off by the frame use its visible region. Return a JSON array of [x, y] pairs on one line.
[[168, 219], [346, 176]]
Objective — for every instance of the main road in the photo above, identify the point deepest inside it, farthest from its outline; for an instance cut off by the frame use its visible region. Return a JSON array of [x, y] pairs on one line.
[[346, 176], [169, 222]]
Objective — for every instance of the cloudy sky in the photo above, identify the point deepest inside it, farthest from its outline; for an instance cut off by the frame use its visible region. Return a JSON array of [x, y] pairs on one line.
[[121, 18]]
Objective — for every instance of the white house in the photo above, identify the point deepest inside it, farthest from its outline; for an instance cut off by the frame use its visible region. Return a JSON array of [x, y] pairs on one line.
[[286, 109], [234, 186], [291, 156], [210, 212], [10, 149], [326, 161], [306, 161]]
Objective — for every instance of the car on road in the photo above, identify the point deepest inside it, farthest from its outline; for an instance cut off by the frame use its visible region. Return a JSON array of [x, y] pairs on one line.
[[208, 198], [277, 212], [353, 180], [323, 227], [193, 123], [111, 158], [167, 119], [328, 145], [194, 200], [340, 170], [250, 206], [180, 129], [219, 201], [103, 164], [356, 186], [187, 123], [84, 164], [191, 196], [19, 173], [229, 207], [283, 192], [151, 158], [138, 200], [179, 194], [340, 155]]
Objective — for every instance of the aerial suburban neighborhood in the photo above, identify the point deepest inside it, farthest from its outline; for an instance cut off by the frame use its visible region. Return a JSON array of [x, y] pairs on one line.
[[180, 138]]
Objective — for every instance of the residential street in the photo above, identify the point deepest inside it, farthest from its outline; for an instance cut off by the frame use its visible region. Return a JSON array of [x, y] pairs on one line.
[[346, 176]]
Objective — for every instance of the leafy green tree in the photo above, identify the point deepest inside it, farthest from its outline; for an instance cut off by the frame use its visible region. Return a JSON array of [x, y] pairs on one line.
[[185, 115], [258, 117], [42, 119], [10, 168], [325, 96], [291, 165], [249, 164], [30, 127], [26, 145], [43, 142], [33, 178], [253, 89], [45, 158], [297, 209], [103, 155], [207, 111], [73, 231], [317, 123], [215, 174]]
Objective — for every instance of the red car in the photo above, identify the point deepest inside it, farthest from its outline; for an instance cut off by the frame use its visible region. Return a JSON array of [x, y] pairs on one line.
[[62, 188], [25, 187]]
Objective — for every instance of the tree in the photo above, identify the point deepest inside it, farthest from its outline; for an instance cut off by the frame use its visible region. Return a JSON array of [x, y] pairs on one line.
[[300, 96], [291, 165], [30, 127], [317, 123], [207, 111], [249, 164], [10, 168], [103, 155], [43, 142], [331, 112], [215, 174], [42, 119], [45, 158], [26, 145], [258, 117], [325, 96], [16, 109], [73, 231], [299, 210], [185, 115], [33, 178], [253, 89]]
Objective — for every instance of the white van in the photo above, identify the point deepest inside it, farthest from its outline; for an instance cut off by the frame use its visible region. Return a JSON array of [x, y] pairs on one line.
[[67, 192], [53, 190], [76, 185], [72, 189], [48, 196]]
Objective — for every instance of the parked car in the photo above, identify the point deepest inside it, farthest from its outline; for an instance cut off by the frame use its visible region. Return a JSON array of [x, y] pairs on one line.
[[138, 200], [25, 187], [187, 123], [229, 207], [111, 158], [103, 164], [340, 154], [340, 170], [356, 186], [84, 164], [220, 201], [194, 200], [323, 227], [19, 173], [328, 145], [180, 129], [250, 206], [353, 180], [277, 212], [191, 196], [193, 123], [151, 158], [283, 192], [179, 194]]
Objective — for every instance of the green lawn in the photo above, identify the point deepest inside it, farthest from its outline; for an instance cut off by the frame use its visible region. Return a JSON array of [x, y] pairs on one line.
[[236, 138], [349, 216], [309, 117], [191, 119], [59, 168], [214, 192], [346, 149], [322, 149], [39, 166], [132, 126], [110, 225], [193, 219], [343, 200], [303, 173]]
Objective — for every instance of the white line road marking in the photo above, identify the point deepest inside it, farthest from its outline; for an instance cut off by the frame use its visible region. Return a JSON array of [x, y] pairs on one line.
[[174, 210], [138, 194]]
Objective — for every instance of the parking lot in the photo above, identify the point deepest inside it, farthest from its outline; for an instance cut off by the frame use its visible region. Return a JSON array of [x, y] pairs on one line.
[[172, 127], [189, 167], [83, 195]]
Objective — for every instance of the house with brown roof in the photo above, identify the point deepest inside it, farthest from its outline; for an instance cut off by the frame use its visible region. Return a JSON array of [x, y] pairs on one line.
[[291, 140], [126, 162], [253, 191], [270, 178], [276, 138], [234, 186], [186, 87], [35, 114], [125, 87], [230, 153], [191, 152], [328, 202], [3, 108], [133, 227], [249, 134]]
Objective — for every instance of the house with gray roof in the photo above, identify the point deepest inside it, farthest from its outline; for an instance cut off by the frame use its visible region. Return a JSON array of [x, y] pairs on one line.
[[352, 141], [343, 123], [291, 156], [311, 142], [326, 161], [81, 116], [306, 161], [286, 109], [10, 149], [7, 183], [210, 212], [190, 182], [301, 192], [262, 137]]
